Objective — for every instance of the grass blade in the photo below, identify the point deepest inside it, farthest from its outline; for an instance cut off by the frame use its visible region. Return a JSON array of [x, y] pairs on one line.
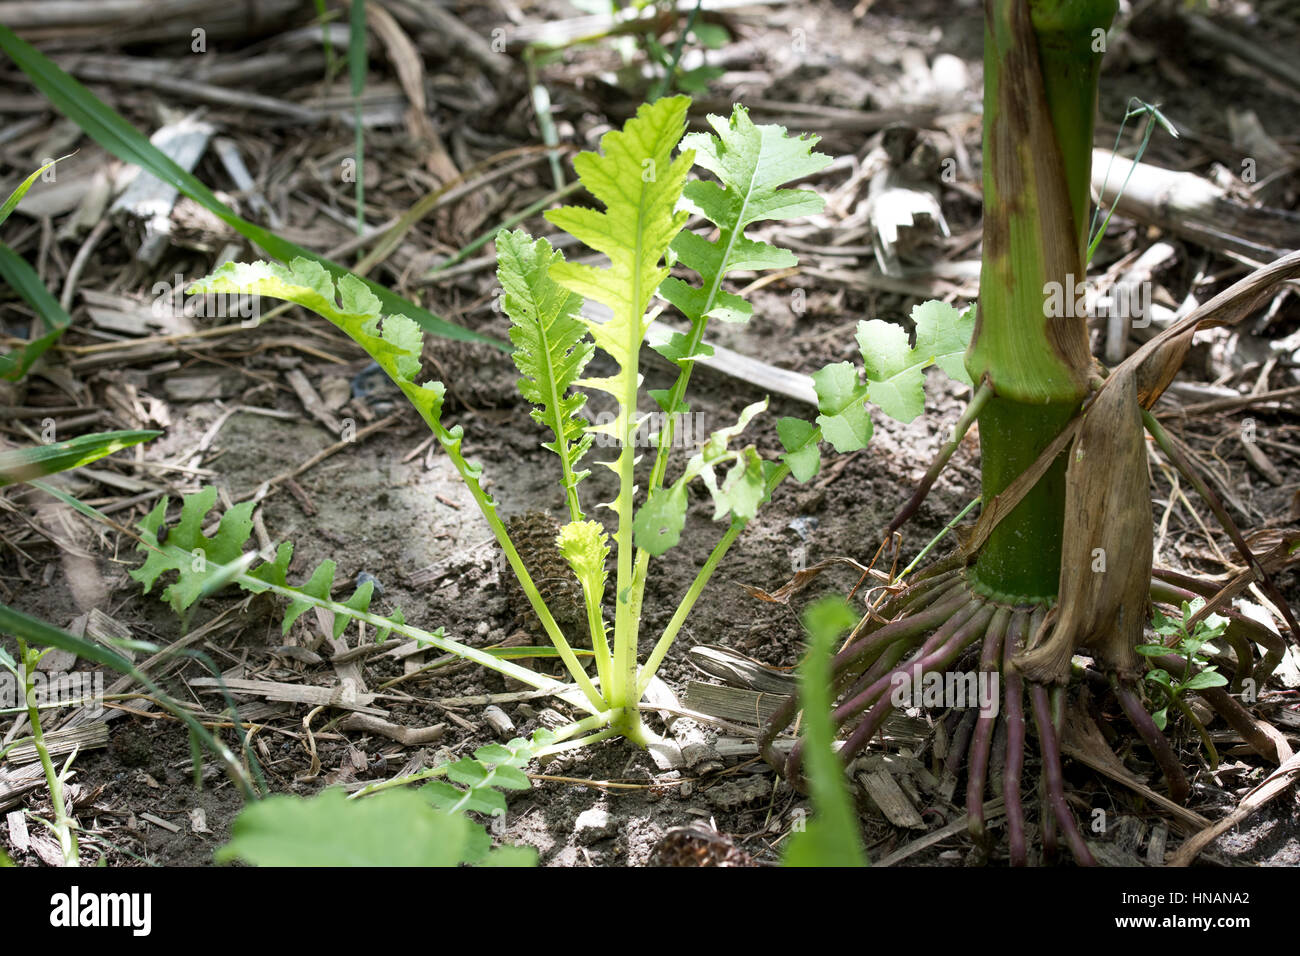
[[832, 838], [24, 464], [22, 278], [323, 16], [16, 196]]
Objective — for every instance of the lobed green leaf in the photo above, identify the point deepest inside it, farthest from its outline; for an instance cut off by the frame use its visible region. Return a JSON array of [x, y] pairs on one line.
[[639, 183], [844, 419], [551, 346], [659, 522], [896, 371]]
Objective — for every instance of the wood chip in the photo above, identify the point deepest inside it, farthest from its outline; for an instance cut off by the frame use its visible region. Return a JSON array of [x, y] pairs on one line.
[[19, 840], [311, 401], [106, 630], [734, 794], [160, 822], [1260, 462], [149, 200], [499, 721], [63, 742], [740, 671], [888, 796], [993, 810], [16, 782], [201, 386], [406, 736], [1156, 845], [47, 848], [739, 705]]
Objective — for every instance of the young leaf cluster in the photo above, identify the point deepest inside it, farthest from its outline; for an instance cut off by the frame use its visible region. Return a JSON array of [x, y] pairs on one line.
[[894, 382], [204, 565], [1190, 646]]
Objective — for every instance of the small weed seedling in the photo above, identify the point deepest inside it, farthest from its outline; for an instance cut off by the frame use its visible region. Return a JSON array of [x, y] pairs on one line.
[[1199, 672], [641, 178], [62, 826]]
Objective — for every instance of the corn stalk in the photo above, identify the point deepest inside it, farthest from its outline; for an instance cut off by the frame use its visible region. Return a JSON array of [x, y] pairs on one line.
[[1041, 63]]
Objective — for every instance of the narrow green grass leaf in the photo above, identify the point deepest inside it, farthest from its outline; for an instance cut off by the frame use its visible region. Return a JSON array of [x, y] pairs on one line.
[[323, 17], [358, 64], [16, 196], [22, 278], [24, 464], [832, 838]]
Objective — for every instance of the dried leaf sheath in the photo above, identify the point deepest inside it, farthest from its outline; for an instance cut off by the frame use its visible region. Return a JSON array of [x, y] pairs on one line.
[[1106, 551]]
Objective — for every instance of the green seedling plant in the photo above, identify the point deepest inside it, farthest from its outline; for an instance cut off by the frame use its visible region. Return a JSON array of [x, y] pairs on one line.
[[1198, 674], [561, 314], [697, 79], [62, 826]]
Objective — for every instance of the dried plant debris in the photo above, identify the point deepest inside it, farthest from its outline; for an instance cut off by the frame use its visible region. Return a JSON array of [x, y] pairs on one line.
[[699, 845], [534, 533]]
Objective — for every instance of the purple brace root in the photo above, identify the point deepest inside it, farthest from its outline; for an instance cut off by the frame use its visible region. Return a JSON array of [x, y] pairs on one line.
[[1156, 741], [947, 597], [983, 741], [1014, 707], [936, 641], [929, 659], [944, 602], [1053, 781]]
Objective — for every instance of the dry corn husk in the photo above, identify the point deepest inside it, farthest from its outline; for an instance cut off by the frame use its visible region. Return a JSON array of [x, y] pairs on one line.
[[1107, 552]]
